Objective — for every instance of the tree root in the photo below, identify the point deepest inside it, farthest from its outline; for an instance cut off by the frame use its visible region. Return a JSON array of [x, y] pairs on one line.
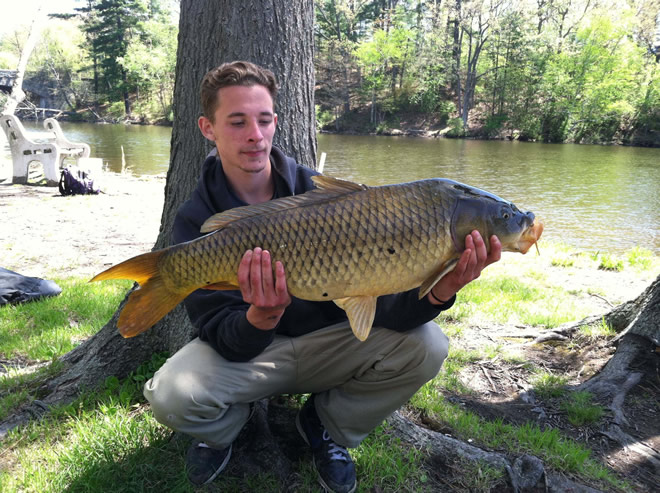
[[526, 473]]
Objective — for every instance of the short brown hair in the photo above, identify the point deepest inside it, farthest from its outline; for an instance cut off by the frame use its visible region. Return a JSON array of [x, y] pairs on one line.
[[237, 73]]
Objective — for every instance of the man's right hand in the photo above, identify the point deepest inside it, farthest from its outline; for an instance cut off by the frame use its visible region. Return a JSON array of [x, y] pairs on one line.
[[268, 297]]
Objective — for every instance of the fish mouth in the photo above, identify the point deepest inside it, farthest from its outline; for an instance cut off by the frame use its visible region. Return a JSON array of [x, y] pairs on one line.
[[530, 236]]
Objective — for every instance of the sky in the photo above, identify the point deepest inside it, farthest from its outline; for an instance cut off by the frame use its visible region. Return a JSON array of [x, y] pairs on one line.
[[23, 11]]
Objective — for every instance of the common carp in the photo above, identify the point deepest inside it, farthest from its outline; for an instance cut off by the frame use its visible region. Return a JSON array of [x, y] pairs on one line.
[[342, 241]]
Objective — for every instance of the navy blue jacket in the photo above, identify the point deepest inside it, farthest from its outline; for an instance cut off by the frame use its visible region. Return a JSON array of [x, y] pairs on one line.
[[220, 316]]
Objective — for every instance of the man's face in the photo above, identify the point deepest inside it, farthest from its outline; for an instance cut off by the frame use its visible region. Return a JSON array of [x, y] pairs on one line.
[[243, 128]]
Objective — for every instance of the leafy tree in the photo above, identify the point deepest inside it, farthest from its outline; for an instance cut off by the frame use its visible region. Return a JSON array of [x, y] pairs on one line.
[[110, 26], [340, 24], [150, 62], [379, 59], [58, 63]]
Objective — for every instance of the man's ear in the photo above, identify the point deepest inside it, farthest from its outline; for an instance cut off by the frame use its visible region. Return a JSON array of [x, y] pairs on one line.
[[206, 127]]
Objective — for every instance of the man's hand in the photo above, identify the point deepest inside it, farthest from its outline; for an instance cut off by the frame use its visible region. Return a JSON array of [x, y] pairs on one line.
[[473, 260], [268, 297]]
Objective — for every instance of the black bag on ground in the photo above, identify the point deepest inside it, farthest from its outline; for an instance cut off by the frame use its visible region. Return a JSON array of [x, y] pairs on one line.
[[75, 181], [16, 288]]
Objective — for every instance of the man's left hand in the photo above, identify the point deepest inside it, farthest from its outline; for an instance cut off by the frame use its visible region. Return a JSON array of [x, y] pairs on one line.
[[474, 259]]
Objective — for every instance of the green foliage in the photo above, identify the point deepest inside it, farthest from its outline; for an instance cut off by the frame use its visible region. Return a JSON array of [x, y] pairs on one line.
[[580, 410], [548, 385], [640, 258], [455, 128], [323, 117], [610, 262], [494, 123], [601, 330], [149, 63], [577, 75]]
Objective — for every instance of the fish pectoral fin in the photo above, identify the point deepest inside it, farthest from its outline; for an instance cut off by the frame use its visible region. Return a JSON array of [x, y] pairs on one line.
[[361, 311], [444, 269], [221, 286]]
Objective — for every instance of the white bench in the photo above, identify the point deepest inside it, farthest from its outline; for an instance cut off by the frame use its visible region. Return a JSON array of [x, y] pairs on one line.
[[50, 148]]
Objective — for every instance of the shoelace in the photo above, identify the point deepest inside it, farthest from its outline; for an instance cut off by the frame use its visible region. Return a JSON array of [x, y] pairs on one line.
[[337, 452]]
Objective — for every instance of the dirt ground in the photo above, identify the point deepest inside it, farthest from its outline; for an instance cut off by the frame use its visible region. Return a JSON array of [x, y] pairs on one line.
[[46, 235]]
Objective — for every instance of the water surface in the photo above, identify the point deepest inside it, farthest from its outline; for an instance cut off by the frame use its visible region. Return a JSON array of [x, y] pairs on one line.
[[597, 198]]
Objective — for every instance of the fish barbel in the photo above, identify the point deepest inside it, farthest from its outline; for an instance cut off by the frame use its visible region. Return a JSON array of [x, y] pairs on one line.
[[342, 241]]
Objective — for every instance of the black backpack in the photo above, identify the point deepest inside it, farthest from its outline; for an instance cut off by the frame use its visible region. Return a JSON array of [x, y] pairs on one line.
[[75, 181]]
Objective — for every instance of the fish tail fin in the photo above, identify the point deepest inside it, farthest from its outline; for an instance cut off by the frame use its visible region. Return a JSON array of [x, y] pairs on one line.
[[147, 305], [139, 269], [151, 301]]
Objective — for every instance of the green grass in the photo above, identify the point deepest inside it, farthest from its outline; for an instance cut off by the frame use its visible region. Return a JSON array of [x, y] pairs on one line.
[[506, 300], [610, 262], [384, 462], [640, 258], [560, 453], [44, 329], [547, 385], [562, 261], [598, 331], [110, 434], [581, 410]]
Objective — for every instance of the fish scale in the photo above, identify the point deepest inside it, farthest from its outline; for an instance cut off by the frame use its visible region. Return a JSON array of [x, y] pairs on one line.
[[343, 241]]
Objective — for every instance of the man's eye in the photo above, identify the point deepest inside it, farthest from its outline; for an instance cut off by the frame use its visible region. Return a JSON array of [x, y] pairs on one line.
[[236, 124], [265, 122]]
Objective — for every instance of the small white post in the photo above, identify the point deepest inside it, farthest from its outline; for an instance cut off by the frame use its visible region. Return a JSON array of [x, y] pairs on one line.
[[322, 162]]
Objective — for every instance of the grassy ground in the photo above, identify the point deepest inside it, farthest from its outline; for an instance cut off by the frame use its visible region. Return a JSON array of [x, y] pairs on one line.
[[108, 440]]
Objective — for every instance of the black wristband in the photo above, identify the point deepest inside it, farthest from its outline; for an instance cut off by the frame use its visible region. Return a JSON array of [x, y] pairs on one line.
[[437, 299]]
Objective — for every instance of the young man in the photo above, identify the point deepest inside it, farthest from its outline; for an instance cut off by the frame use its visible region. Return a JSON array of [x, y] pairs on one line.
[[259, 341]]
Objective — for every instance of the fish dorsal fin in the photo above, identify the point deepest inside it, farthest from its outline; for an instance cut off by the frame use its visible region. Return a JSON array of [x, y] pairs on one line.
[[330, 183], [444, 269], [361, 311], [328, 188]]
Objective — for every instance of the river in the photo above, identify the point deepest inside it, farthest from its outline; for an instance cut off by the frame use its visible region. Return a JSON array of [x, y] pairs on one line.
[[596, 198]]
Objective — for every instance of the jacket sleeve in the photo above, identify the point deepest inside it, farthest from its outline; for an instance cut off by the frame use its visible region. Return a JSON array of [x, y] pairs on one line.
[[405, 311], [222, 322]]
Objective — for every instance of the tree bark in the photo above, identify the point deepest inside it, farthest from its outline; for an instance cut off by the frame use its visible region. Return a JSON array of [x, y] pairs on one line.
[[276, 34]]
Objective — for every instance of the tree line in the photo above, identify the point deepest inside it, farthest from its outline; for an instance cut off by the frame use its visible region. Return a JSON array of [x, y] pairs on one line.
[[549, 70]]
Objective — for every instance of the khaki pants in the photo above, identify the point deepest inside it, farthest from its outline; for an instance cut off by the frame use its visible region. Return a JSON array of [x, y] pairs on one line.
[[357, 384]]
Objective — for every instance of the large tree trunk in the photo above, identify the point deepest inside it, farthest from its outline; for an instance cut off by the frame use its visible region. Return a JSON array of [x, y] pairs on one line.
[[277, 35]]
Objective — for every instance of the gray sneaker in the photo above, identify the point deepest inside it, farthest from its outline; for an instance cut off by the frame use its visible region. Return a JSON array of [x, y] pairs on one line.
[[203, 463]]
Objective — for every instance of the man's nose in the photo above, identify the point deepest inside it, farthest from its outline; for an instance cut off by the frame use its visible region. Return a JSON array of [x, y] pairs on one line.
[[254, 132]]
